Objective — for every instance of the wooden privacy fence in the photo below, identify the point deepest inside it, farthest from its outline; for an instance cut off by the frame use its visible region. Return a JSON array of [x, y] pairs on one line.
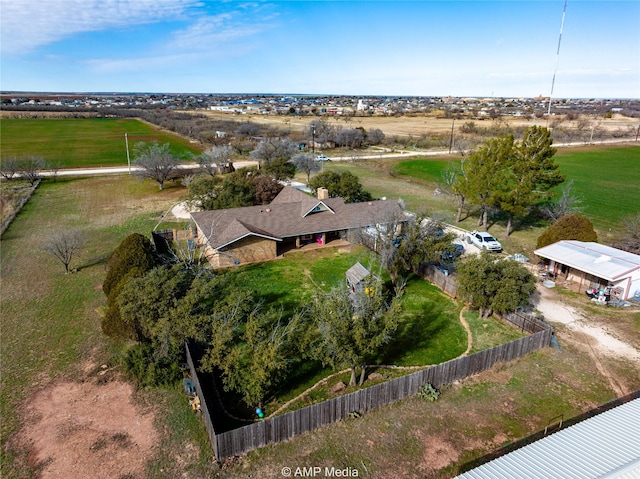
[[286, 426], [205, 402], [526, 321], [444, 281]]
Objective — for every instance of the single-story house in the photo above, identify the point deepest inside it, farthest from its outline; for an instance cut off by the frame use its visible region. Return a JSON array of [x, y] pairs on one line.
[[593, 265], [292, 220]]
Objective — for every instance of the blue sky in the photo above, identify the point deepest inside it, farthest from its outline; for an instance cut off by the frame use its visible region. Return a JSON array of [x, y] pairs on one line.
[[458, 48]]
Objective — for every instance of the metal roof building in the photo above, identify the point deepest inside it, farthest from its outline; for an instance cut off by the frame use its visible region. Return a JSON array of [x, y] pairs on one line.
[[593, 264], [606, 446]]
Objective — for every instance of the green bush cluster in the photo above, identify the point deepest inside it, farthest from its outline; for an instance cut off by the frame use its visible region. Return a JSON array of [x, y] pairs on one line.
[[568, 227], [131, 259]]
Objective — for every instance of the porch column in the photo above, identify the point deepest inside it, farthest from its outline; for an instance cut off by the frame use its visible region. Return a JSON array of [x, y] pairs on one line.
[[297, 241]]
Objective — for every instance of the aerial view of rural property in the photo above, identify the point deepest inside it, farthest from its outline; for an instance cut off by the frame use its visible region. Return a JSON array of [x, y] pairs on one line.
[[319, 238]]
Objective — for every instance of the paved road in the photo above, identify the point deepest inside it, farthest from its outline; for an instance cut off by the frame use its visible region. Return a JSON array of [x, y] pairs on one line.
[[122, 170], [404, 153]]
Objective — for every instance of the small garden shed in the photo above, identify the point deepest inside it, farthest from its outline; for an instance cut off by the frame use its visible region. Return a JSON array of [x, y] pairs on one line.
[[356, 276]]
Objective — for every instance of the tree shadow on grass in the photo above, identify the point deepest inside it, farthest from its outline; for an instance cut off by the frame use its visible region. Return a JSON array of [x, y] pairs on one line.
[[417, 333], [94, 261]]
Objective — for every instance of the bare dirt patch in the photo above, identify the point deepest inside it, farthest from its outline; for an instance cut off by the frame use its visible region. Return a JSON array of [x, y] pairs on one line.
[[438, 453], [81, 429]]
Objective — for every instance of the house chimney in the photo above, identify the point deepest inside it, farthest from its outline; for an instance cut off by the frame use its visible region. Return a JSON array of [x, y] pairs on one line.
[[322, 193]]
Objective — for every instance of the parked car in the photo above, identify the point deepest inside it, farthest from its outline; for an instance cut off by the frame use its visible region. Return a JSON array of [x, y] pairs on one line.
[[484, 240], [322, 158], [456, 251]]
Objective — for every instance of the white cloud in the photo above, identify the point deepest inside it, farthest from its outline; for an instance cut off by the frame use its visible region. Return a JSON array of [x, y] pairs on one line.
[[28, 24], [210, 32]]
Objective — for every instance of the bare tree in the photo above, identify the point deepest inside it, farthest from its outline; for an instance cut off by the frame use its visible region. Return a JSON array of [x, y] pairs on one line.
[[350, 137], [566, 204], [156, 162], [375, 136], [274, 149], [64, 245], [9, 167], [30, 169], [454, 181], [306, 163], [321, 131], [630, 241], [215, 159]]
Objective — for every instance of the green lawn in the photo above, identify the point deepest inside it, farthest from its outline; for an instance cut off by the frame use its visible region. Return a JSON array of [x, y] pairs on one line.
[[607, 180], [82, 142], [429, 332], [426, 169]]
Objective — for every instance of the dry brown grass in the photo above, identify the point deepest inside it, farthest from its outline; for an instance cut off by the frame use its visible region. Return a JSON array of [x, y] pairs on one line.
[[410, 125]]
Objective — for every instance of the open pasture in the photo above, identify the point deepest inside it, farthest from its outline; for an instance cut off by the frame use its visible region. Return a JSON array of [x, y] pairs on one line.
[[83, 142], [411, 125], [605, 179]]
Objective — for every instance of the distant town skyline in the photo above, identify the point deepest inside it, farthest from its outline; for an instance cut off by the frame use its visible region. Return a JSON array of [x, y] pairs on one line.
[[378, 48]]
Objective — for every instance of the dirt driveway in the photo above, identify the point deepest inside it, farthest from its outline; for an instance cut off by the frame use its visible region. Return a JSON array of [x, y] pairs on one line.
[[600, 341]]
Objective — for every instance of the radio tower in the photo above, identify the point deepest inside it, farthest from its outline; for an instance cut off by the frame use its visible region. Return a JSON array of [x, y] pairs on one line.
[[553, 81]]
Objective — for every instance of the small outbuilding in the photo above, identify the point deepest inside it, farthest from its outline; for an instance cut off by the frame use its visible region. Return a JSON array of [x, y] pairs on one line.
[[356, 276], [593, 266], [603, 446]]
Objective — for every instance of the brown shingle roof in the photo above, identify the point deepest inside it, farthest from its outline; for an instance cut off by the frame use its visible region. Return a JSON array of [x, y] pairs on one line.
[[283, 218]]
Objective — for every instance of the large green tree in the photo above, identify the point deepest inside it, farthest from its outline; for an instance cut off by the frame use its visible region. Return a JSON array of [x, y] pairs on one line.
[[352, 327], [346, 185], [133, 257], [512, 176], [491, 284], [528, 175], [251, 346], [486, 173]]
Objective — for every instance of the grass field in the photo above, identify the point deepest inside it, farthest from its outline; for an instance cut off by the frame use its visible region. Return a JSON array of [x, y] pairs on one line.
[[606, 179], [82, 142], [50, 323]]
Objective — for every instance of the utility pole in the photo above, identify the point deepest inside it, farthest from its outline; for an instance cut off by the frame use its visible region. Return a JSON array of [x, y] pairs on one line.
[[451, 139], [126, 142]]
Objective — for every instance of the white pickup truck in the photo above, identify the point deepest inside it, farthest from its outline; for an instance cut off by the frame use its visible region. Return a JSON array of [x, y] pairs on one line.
[[484, 241]]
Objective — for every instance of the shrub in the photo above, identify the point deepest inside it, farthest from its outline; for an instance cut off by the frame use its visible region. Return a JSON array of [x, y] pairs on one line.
[[568, 227], [143, 364], [135, 252], [428, 393], [131, 259]]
